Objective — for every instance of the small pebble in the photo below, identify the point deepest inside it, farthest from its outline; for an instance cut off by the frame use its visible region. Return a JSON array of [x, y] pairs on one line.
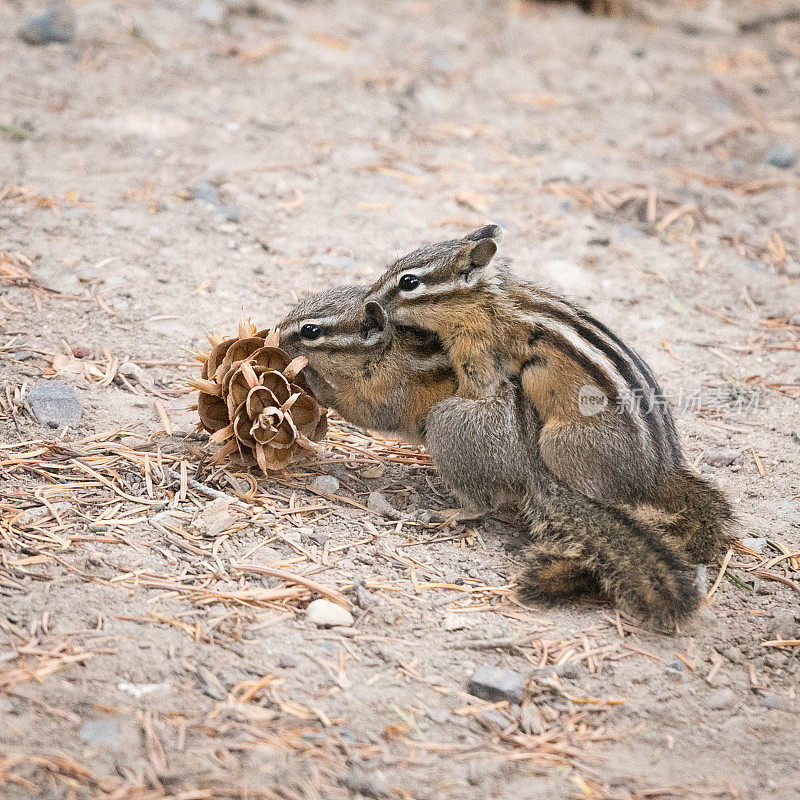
[[366, 784], [782, 156], [215, 517], [757, 543], [373, 472], [336, 262], [56, 404], [722, 456], [40, 512], [455, 622], [495, 684], [379, 504], [775, 703], [56, 25], [287, 662], [228, 213], [325, 614], [205, 191], [705, 613], [326, 484]]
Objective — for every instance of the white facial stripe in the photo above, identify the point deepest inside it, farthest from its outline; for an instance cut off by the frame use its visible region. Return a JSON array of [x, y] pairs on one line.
[[337, 341], [430, 289], [425, 269]]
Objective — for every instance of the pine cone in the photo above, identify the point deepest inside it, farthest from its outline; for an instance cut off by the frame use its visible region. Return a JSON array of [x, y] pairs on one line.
[[254, 398]]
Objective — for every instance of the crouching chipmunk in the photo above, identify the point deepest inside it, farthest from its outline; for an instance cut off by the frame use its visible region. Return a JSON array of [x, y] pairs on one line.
[[488, 370]]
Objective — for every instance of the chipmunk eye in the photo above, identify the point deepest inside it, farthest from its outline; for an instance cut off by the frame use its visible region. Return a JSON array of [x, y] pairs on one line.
[[310, 332], [408, 283]]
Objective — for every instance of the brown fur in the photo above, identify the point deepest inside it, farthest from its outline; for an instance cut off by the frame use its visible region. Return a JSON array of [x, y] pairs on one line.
[[593, 482], [486, 453], [374, 383]]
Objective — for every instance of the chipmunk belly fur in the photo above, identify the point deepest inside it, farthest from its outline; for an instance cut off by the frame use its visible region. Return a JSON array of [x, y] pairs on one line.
[[610, 468]]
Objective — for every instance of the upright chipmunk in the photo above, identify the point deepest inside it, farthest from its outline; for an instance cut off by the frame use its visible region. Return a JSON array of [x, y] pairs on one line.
[[377, 378], [539, 376]]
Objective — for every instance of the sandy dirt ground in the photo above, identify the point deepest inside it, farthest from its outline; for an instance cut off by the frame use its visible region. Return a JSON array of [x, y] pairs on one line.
[[176, 164]]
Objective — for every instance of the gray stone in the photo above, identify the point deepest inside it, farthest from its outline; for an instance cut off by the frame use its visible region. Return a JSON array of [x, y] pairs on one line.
[[722, 456], [629, 232], [325, 614], [775, 703], [315, 537], [205, 191], [33, 515], [380, 505], [493, 717], [568, 671], [675, 671], [495, 684], [456, 622], [56, 404], [783, 625], [56, 25], [757, 543], [215, 517], [782, 155], [705, 614], [287, 662], [721, 698], [704, 22], [169, 326], [210, 12], [326, 484], [99, 732]]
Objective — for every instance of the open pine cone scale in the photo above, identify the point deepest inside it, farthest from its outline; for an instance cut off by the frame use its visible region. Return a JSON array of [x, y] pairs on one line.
[[254, 398]]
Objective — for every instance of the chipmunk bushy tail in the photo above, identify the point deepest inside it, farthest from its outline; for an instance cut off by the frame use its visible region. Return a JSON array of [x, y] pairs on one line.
[[700, 515], [580, 545]]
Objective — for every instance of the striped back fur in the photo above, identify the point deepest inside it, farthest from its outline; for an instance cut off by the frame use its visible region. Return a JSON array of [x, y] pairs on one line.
[[494, 324]]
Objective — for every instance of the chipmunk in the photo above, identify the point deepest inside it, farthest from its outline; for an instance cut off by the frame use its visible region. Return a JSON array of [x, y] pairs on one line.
[[384, 378], [609, 487], [379, 379]]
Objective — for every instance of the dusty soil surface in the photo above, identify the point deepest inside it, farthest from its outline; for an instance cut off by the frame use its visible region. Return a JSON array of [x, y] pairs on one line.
[[166, 170]]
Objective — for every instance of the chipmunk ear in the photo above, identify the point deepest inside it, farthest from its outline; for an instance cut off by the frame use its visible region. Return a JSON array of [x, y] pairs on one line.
[[376, 320], [486, 232], [482, 253], [474, 256]]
